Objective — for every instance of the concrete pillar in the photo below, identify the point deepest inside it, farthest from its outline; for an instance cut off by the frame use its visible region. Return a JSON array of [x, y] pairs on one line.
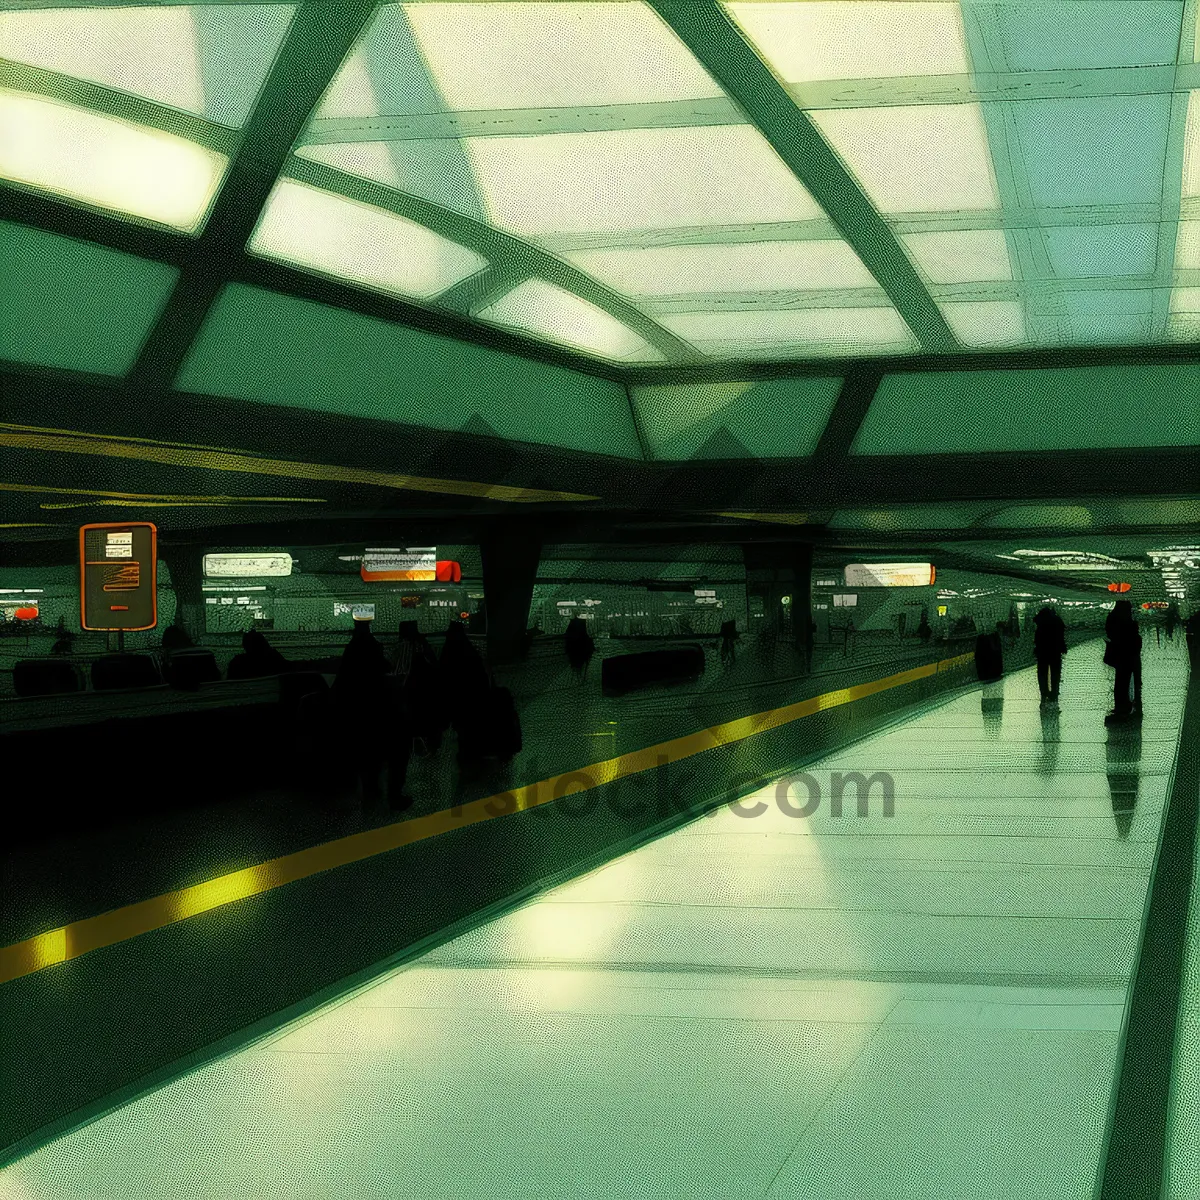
[[186, 564], [511, 554], [779, 584]]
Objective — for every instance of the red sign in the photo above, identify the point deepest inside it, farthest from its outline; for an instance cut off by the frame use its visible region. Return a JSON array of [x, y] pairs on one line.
[[118, 563], [1118, 587]]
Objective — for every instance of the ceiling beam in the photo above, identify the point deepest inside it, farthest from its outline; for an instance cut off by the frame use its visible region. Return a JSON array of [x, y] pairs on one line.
[[318, 40], [509, 253], [979, 88], [728, 57]]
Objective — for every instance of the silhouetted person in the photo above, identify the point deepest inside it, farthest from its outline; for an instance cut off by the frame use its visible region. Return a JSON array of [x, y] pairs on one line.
[[64, 639], [989, 654], [729, 639], [1192, 628], [579, 645], [175, 637], [901, 621], [924, 632], [423, 709], [1124, 655], [464, 682], [1171, 621], [1049, 646], [367, 715], [257, 659]]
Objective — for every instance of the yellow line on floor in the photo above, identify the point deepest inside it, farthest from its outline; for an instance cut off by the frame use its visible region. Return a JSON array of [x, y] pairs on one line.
[[121, 924]]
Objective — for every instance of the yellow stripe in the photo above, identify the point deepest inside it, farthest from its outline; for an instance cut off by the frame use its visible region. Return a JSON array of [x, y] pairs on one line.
[[212, 459], [50, 489], [118, 925]]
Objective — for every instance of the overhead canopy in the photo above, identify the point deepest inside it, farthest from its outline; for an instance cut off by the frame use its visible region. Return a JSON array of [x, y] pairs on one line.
[[396, 210]]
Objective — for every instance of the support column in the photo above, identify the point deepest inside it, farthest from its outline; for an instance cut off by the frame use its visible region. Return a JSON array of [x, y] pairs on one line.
[[511, 554], [186, 564], [779, 587]]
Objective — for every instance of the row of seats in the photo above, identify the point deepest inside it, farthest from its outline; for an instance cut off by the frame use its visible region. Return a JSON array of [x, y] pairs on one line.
[[55, 676]]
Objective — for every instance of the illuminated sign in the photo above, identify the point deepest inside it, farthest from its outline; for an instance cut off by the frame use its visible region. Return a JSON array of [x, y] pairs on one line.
[[1118, 587], [409, 565], [360, 612], [845, 601], [941, 610], [890, 574], [26, 610], [241, 566], [118, 566], [1159, 604]]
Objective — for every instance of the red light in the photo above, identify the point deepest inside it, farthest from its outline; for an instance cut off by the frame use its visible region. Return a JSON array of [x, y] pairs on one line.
[[1118, 587], [27, 612]]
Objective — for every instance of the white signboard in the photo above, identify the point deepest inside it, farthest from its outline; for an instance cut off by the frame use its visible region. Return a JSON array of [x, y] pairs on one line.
[[410, 564], [247, 565], [890, 575]]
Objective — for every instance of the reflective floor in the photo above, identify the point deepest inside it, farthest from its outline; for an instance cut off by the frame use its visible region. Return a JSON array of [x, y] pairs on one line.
[[925, 1004]]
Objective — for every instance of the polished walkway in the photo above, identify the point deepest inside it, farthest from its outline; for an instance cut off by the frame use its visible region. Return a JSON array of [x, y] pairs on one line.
[[924, 1005]]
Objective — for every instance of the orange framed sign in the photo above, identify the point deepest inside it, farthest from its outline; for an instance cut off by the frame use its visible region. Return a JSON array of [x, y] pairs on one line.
[[118, 576]]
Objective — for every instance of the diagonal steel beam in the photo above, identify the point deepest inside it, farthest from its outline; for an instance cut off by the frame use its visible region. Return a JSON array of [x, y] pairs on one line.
[[729, 58], [319, 38], [510, 254]]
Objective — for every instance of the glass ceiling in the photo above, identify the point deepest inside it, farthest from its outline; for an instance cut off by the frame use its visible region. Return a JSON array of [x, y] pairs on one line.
[[571, 172]]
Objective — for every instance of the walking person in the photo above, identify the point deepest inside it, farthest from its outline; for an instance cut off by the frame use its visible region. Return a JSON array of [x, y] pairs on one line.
[[1049, 646], [1124, 654]]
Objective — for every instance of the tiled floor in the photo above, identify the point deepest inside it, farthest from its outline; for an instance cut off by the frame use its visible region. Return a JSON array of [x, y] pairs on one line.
[[835, 1008]]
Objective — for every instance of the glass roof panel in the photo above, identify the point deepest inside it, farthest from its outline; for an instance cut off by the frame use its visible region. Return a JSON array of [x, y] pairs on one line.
[[307, 227], [794, 333], [1106, 317], [433, 57], [1187, 246], [207, 59], [859, 39], [987, 322], [1185, 313], [545, 311], [1103, 150], [960, 255], [712, 269], [1055, 34], [1085, 251], [637, 179], [1191, 152], [774, 418], [75, 305], [915, 158], [537, 55], [111, 164]]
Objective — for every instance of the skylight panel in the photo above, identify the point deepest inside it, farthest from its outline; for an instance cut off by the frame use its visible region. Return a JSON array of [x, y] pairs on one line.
[[986, 323], [420, 58], [916, 158], [1191, 151], [551, 313], [539, 55], [794, 333], [1089, 251], [1187, 246], [637, 179], [960, 255], [739, 267], [207, 59], [307, 227], [855, 39], [99, 160], [1185, 313]]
